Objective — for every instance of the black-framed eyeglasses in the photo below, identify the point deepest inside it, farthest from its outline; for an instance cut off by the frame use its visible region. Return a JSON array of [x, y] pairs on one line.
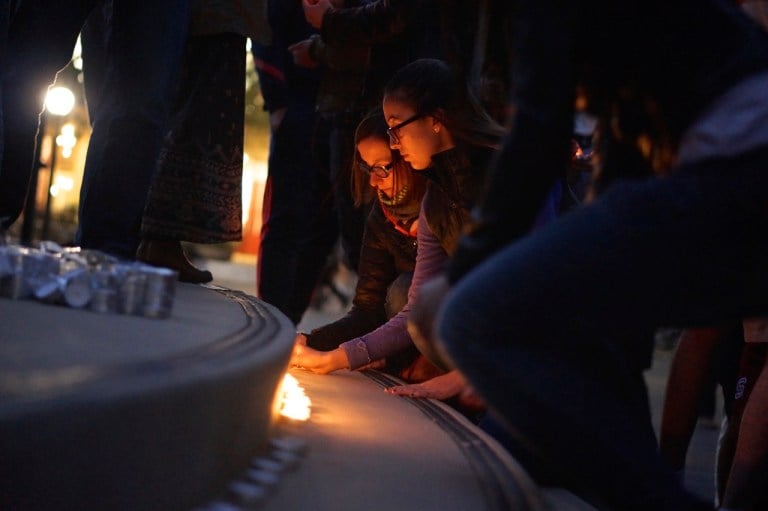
[[381, 171], [394, 131]]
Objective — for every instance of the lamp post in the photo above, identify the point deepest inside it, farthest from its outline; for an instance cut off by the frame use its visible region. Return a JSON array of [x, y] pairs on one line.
[[59, 102]]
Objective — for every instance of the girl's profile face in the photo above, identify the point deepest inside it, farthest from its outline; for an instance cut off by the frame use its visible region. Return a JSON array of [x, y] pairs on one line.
[[375, 152], [416, 140]]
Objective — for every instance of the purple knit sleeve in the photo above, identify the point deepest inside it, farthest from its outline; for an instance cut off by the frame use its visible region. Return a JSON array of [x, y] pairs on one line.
[[392, 336]]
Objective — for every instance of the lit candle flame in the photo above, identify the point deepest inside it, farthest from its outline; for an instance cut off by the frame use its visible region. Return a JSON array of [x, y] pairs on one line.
[[295, 404]]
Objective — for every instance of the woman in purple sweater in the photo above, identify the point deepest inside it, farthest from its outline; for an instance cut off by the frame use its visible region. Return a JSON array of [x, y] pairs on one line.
[[440, 129], [388, 254]]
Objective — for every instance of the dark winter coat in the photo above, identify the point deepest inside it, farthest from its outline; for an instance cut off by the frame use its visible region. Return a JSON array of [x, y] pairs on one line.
[[386, 253]]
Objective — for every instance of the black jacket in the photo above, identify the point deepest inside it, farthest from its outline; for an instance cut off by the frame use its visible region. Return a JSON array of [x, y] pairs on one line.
[[455, 182], [386, 253]]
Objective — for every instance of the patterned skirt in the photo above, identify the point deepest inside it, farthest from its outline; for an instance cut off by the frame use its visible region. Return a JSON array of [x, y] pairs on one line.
[[196, 193]]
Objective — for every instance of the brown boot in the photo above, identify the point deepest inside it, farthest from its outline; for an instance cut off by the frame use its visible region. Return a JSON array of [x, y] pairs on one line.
[[170, 254]]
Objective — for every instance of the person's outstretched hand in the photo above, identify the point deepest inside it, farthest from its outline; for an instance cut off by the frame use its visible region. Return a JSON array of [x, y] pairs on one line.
[[440, 387], [320, 362], [314, 11], [446, 386]]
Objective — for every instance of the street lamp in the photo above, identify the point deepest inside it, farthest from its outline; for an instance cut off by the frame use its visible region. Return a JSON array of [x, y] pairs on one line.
[[59, 102]]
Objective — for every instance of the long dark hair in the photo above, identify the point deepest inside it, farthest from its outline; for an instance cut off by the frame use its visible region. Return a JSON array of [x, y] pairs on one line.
[[375, 126], [431, 88]]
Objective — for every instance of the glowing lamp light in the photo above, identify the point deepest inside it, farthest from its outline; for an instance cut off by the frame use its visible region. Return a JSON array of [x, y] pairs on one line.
[[295, 404], [61, 184], [59, 101], [66, 140]]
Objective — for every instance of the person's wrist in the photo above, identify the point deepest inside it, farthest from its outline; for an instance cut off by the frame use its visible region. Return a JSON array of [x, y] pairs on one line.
[[339, 358]]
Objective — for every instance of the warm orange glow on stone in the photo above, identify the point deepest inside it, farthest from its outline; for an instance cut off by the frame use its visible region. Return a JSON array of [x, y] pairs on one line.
[[296, 404]]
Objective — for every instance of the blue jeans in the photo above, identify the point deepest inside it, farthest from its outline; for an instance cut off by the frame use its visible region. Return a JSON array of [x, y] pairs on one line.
[[145, 43], [555, 329]]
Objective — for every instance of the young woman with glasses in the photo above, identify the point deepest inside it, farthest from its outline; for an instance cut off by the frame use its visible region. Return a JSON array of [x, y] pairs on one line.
[[440, 129], [388, 254]]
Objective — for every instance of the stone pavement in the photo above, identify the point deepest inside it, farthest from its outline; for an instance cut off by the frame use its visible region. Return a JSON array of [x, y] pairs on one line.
[[699, 476]]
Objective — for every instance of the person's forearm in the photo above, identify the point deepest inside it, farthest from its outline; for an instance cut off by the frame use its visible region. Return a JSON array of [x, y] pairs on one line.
[[390, 338], [356, 323]]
